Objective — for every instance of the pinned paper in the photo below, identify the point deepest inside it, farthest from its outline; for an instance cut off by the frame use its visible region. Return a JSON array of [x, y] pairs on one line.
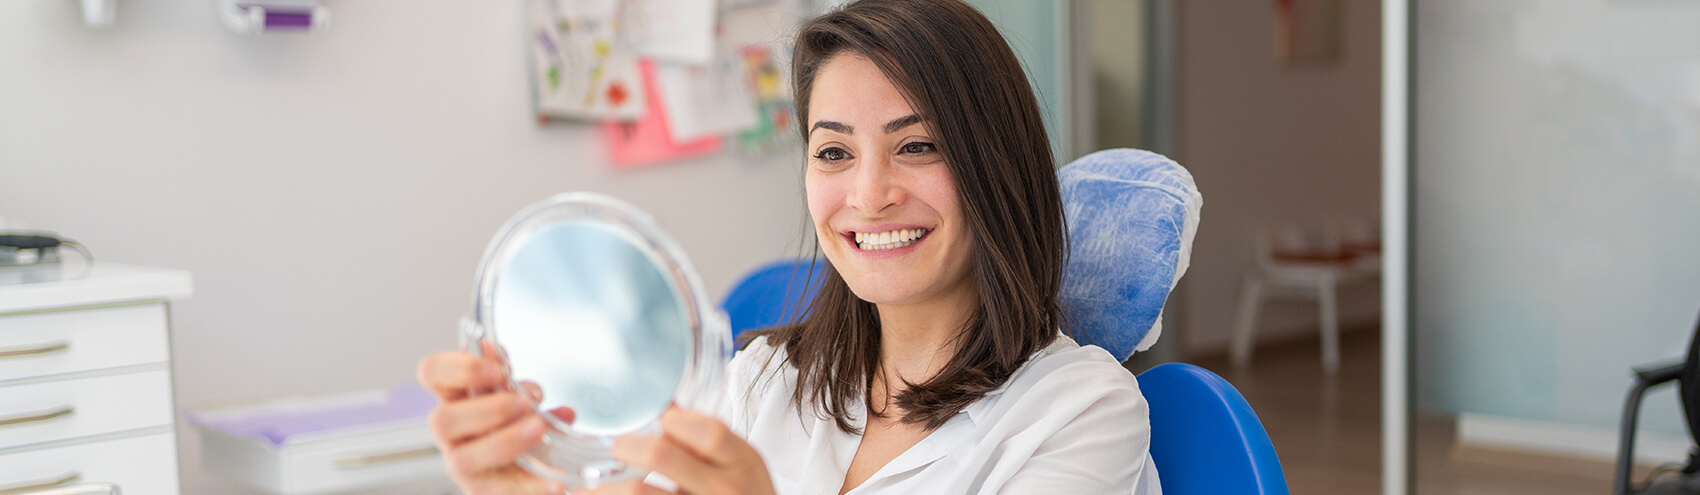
[[705, 100], [677, 31], [726, 5], [577, 70], [776, 113], [648, 140]]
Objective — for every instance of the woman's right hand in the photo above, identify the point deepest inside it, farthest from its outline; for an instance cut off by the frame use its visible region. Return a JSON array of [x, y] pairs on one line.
[[481, 436]]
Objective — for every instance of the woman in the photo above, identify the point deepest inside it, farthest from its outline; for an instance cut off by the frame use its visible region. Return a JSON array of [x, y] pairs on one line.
[[931, 360]]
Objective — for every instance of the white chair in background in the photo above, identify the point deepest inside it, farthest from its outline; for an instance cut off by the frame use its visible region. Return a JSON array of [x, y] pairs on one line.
[[1287, 263]]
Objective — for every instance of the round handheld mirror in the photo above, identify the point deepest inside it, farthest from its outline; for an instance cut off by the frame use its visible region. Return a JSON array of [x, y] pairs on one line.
[[598, 318]]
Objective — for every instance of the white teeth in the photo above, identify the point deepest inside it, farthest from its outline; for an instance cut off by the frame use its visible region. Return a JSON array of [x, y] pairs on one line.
[[888, 240]]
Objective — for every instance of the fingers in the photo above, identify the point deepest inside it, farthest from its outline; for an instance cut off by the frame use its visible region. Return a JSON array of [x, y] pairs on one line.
[[564, 413], [450, 374], [627, 487], [532, 484], [508, 480], [532, 390], [705, 436], [694, 475], [482, 436], [496, 450], [699, 453], [456, 422]]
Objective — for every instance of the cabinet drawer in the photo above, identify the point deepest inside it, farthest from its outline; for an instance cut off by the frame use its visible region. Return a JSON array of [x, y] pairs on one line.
[[351, 461], [57, 342], [104, 404], [141, 465], [379, 463]]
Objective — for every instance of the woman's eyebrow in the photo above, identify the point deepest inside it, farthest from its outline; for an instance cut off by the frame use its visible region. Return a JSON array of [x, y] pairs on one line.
[[834, 126], [902, 122]]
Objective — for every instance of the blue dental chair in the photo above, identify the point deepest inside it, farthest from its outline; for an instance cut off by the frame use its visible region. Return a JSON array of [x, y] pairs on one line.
[[771, 295], [1131, 219]]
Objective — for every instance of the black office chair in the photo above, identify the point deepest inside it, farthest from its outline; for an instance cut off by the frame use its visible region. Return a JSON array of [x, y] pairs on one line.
[[1687, 373]]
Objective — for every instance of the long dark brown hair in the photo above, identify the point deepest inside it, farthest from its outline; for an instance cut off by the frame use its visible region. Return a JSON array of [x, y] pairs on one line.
[[960, 76]]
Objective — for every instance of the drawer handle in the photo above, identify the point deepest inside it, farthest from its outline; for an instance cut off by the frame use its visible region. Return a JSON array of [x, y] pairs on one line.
[[81, 489], [371, 460], [34, 350], [32, 417], [30, 486]]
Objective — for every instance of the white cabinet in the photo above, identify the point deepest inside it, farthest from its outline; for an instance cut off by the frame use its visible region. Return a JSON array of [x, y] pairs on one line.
[[141, 465], [85, 376]]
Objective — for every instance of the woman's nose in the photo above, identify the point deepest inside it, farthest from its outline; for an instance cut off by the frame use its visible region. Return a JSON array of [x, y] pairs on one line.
[[876, 187]]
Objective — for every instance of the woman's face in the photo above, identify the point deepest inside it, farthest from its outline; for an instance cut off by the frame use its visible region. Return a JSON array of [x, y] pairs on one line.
[[881, 197]]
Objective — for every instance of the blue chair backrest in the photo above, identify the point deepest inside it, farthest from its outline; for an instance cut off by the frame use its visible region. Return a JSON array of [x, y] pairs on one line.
[[772, 295], [1205, 438]]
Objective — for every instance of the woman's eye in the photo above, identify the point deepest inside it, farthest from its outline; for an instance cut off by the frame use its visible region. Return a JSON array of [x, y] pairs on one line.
[[831, 154], [917, 148]]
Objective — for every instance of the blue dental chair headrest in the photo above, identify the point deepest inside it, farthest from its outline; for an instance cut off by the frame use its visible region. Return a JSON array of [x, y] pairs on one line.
[[1132, 215]]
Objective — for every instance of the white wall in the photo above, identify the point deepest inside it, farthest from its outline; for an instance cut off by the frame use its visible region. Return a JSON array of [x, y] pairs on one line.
[[1557, 204], [1270, 143], [330, 192]]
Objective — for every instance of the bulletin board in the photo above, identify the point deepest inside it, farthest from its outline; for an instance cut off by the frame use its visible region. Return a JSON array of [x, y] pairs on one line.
[[666, 79]]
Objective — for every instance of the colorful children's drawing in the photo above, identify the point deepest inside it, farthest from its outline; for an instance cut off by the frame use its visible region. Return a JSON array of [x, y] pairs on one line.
[[579, 73]]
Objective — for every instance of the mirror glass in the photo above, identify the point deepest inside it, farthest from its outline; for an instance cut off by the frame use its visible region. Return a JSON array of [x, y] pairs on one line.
[[598, 318], [589, 323]]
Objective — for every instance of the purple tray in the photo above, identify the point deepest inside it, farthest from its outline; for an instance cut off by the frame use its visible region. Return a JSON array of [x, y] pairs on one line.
[[405, 402]]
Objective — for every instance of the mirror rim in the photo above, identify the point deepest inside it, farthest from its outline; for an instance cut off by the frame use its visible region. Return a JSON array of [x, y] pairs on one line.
[[699, 387]]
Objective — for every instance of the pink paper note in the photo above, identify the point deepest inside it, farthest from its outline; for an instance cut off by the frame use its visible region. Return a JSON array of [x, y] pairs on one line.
[[646, 141]]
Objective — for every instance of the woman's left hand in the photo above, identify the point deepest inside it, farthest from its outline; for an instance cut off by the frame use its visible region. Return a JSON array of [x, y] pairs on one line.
[[696, 451]]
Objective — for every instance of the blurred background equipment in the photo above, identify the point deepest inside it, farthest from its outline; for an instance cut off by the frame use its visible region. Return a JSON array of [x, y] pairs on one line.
[[100, 14], [273, 16], [1289, 264], [1686, 479], [35, 247]]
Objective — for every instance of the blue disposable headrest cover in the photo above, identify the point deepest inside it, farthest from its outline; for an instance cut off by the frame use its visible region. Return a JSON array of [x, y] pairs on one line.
[[1131, 217]]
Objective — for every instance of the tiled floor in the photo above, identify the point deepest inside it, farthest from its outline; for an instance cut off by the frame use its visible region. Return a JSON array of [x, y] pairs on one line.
[[1327, 430]]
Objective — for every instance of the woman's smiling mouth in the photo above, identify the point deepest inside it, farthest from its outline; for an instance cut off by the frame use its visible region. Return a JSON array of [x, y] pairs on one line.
[[890, 239]]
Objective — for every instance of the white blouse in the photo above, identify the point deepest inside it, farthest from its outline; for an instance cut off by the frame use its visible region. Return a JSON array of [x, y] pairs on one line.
[[1071, 420]]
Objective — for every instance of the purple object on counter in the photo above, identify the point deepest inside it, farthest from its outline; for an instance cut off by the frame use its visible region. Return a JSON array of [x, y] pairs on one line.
[[288, 19], [405, 402]]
